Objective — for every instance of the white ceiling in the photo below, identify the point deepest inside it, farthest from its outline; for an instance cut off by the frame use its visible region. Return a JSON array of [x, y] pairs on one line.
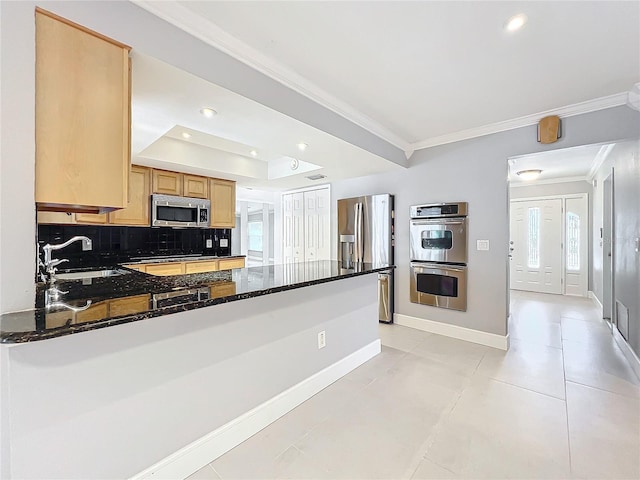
[[166, 103], [567, 164], [413, 72]]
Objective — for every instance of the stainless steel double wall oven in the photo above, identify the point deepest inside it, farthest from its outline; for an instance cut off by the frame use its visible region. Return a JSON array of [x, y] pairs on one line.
[[438, 252]]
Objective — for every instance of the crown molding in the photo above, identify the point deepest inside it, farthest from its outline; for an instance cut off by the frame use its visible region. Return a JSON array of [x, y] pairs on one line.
[[548, 181], [207, 31], [567, 111], [599, 160]]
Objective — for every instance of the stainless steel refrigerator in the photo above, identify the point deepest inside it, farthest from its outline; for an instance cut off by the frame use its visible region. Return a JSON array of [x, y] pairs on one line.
[[365, 235]]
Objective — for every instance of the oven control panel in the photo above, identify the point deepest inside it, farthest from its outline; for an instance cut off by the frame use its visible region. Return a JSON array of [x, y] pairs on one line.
[[439, 210]]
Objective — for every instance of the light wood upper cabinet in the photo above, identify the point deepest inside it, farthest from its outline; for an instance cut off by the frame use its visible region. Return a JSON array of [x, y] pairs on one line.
[[165, 269], [223, 203], [167, 183], [82, 117], [195, 186], [229, 263], [139, 206]]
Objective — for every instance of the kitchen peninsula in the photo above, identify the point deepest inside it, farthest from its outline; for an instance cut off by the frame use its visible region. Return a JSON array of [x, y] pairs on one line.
[[213, 366]]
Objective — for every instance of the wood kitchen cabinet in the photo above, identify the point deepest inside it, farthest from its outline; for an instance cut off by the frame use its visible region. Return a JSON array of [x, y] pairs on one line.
[[129, 305], [228, 264], [139, 206], [223, 203], [82, 116], [94, 218], [195, 186], [165, 269], [201, 267], [167, 183]]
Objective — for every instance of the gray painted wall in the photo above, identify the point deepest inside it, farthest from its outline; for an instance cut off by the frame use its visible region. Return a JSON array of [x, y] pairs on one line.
[[564, 188], [150, 35], [112, 402], [624, 162], [475, 171]]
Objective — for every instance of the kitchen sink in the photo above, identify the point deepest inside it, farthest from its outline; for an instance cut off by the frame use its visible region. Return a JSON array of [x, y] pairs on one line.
[[112, 272]]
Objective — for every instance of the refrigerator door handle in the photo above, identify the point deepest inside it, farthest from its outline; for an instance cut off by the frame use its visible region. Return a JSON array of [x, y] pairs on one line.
[[357, 250]]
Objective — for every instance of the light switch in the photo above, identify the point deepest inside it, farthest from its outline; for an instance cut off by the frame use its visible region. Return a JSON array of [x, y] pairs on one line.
[[209, 243], [482, 244], [224, 242]]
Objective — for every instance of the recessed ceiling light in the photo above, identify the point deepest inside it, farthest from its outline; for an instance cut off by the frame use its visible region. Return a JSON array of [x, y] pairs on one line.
[[186, 135], [208, 112], [302, 146], [254, 153], [529, 174], [515, 23]]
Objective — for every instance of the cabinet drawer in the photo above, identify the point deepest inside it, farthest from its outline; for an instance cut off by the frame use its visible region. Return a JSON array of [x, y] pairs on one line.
[[165, 269], [94, 312], [223, 289], [136, 267], [231, 263], [129, 305], [199, 267], [99, 218]]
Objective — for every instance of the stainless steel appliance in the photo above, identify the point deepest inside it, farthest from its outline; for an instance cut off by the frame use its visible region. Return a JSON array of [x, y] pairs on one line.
[[438, 250], [439, 285], [437, 235], [365, 235], [172, 211]]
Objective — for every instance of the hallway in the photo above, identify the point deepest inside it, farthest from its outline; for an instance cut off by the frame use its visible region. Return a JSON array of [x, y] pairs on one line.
[[562, 403]]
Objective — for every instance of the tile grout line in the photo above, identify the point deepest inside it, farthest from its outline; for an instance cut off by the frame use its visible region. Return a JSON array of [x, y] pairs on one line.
[[604, 390], [504, 382], [566, 402], [215, 471]]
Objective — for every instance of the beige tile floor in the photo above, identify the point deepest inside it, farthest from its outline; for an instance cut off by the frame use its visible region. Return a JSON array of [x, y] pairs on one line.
[[561, 403]]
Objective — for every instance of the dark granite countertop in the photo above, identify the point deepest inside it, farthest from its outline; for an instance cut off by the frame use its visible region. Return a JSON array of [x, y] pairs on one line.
[[136, 296]]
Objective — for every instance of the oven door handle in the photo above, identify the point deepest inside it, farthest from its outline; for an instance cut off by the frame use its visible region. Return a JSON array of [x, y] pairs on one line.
[[437, 266], [439, 221]]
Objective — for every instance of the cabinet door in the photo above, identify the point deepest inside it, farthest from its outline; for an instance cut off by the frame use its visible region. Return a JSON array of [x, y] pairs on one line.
[[165, 269], [194, 186], [230, 263], [223, 203], [200, 267], [222, 289], [82, 116], [167, 183], [129, 305], [55, 217], [138, 208], [99, 218]]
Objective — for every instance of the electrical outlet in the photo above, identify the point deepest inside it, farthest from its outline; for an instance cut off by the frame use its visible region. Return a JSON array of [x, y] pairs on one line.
[[322, 339], [209, 243]]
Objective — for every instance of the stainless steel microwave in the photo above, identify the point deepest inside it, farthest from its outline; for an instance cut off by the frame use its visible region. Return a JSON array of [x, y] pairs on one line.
[[172, 211]]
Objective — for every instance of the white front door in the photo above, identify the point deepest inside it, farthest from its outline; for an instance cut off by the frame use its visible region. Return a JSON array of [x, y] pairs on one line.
[[576, 220], [536, 245]]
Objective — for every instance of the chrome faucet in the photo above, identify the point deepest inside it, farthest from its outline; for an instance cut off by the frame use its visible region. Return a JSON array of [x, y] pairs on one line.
[[50, 264]]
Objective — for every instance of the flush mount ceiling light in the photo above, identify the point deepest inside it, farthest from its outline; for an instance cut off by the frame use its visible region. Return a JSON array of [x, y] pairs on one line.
[[529, 174], [294, 164], [254, 153], [208, 112], [302, 146], [515, 23], [186, 135]]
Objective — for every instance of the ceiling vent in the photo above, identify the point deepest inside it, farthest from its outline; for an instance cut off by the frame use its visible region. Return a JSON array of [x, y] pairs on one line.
[[317, 176]]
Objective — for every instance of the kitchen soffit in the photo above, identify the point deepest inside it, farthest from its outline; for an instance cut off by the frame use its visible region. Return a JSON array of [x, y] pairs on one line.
[[422, 73]]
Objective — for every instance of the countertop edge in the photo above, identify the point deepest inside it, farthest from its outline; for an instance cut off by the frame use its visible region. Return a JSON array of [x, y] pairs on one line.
[[19, 338]]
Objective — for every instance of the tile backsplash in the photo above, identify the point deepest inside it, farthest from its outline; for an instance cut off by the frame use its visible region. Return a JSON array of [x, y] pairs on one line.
[[113, 245]]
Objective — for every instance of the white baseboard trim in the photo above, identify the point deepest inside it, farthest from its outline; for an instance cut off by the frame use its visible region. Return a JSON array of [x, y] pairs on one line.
[[593, 297], [475, 336], [628, 352], [196, 455]]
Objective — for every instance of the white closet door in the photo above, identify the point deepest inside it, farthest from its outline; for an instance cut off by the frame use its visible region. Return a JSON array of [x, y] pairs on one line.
[[298, 226], [310, 226], [323, 209], [287, 227]]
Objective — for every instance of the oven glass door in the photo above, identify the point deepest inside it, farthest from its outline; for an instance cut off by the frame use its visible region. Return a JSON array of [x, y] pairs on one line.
[[439, 240], [439, 285]]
